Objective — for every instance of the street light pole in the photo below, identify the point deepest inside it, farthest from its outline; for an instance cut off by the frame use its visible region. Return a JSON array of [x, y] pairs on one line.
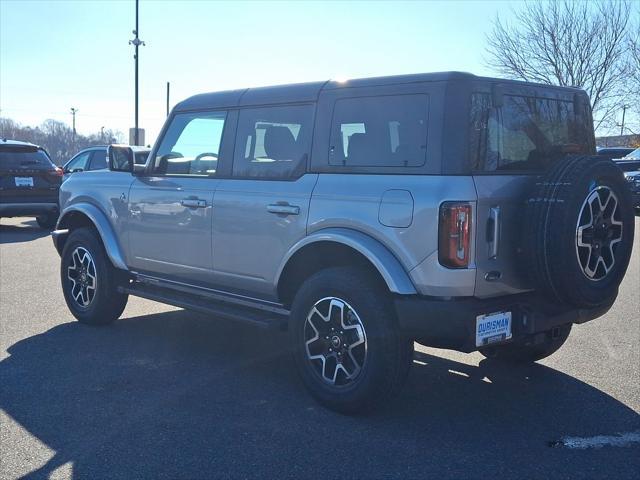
[[136, 42], [167, 99], [73, 113], [624, 110]]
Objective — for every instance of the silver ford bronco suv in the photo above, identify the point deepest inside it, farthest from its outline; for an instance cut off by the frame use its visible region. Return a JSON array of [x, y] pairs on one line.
[[446, 209]]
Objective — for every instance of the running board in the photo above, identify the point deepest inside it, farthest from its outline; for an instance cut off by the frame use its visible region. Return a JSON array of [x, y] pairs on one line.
[[258, 317]]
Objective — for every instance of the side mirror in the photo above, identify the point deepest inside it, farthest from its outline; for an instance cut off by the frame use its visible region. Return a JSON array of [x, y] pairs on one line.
[[120, 158]]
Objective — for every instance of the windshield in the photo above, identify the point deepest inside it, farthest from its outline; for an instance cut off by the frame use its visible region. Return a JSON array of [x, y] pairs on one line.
[[20, 157], [635, 155]]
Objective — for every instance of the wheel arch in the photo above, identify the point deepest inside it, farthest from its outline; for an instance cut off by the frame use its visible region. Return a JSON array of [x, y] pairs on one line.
[[87, 215], [333, 247]]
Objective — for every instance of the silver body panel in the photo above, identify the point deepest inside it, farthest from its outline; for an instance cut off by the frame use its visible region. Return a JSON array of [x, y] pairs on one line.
[[169, 232], [251, 236], [237, 243]]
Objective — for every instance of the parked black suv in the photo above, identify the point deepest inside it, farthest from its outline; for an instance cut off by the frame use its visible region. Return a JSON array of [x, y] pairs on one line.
[[29, 182]]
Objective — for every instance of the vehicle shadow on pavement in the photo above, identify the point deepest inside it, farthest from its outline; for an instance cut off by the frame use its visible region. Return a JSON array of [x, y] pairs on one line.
[[24, 232], [177, 395]]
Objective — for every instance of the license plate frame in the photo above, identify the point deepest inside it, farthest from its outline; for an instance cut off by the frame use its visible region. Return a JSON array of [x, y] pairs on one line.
[[493, 328], [23, 182]]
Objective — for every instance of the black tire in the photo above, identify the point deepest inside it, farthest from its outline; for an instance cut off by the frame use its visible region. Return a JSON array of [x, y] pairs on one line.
[[552, 216], [523, 352], [47, 221], [388, 353], [102, 304]]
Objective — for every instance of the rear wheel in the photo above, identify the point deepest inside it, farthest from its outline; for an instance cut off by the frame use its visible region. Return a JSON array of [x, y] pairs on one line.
[[347, 346], [533, 350], [47, 221], [89, 280]]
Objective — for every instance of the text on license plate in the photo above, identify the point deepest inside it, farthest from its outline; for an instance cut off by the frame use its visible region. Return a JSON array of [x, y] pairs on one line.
[[24, 181], [493, 327]]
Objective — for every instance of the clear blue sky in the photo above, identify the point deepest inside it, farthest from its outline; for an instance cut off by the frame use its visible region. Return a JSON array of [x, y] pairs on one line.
[[60, 54]]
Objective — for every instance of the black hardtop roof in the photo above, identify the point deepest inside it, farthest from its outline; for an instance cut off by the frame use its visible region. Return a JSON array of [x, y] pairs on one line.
[[307, 92]]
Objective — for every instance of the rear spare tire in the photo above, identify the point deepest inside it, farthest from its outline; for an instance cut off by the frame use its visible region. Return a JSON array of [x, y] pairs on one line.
[[578, 231]]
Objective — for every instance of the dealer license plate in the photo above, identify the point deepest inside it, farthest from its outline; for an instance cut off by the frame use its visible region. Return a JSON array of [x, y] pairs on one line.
[[24, 181], [493, 327]]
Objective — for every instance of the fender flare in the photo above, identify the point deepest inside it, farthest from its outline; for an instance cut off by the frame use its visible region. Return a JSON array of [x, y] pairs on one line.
[[389, 267], [103, 226]]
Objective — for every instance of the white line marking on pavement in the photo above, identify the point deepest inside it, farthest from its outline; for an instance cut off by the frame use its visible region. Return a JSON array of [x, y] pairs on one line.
[[599, 441]]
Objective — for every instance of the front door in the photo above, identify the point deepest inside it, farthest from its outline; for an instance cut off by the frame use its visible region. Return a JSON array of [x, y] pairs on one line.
[[262, 210], [171, 205]]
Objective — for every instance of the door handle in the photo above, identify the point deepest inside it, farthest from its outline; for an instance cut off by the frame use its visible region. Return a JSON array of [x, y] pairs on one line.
[[283, 209], [493, 231], [193, 203]]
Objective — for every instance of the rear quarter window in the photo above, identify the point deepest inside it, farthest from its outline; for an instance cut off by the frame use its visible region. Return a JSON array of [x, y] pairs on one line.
[[384, 131]]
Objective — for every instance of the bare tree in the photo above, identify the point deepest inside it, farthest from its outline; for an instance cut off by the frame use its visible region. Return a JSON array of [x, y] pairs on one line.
[[568, 43], [634, 68], [56, 137]]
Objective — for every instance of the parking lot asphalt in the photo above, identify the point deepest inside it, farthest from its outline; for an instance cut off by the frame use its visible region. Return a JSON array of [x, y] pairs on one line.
[[166, 393]]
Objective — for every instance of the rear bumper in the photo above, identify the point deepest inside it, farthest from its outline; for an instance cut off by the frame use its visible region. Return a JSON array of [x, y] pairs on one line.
[[452, 323], [27, 209]]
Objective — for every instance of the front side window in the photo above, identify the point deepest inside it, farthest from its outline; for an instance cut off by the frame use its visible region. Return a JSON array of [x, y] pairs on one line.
[[273, 142], [191, 145], [525, 133], [386, 131], [79, 163]]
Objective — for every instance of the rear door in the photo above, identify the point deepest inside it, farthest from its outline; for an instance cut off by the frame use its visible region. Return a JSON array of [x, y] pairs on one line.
[[512, 144], [262, 210], [27, 175], [171, 205]]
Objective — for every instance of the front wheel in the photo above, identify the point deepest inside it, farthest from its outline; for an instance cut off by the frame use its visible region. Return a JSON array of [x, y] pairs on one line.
[[348, 349], [89, 280], [529, 352]]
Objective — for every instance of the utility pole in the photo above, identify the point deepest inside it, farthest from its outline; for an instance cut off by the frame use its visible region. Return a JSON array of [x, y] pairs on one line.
[[624, 110], [73, 113], [136, 42], [167, 99], [102, 134]]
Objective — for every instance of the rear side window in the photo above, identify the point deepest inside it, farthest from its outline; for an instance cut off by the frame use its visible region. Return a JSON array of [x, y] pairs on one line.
[[386, 131], [191, 145], [273, 142], [525, 133], [16, 158]]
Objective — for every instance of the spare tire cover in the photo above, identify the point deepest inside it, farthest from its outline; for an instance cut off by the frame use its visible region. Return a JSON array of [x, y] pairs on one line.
[[578, 231]]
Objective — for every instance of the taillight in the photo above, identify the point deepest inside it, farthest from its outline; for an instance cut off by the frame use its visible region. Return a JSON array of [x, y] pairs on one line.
[[454, 234], [57, 172]]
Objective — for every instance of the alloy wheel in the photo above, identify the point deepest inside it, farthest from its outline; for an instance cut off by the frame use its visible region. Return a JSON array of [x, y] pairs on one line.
[[82, 274], [598, 232], [335, 341]]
